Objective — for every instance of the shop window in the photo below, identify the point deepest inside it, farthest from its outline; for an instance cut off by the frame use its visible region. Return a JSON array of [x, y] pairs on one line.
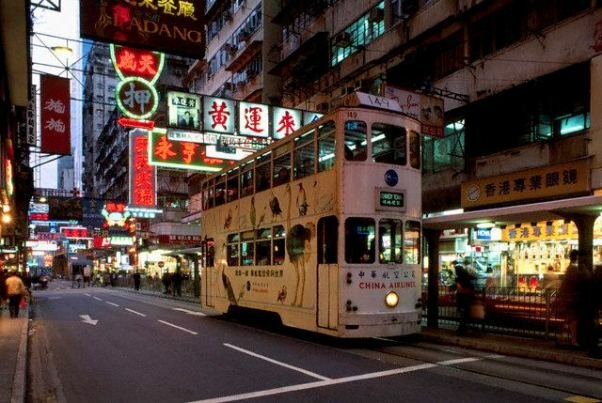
[[447, 152], [415, 157], [573, 124], [232, 250], [389, 241], [278, 244], [326, 146], [356, 142], [304, 155], [359, 240], [247, 248], [263, 247], [388, 144], [411, 242]]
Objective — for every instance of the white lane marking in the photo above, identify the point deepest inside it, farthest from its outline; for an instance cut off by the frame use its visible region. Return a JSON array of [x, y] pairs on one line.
[[459, 361], [385, 339], [111, 303], [494, 356], [134, 312], [189, 312], [263, 357], [96, 298], [178, 327], [87, 319], [317, 384], [86, 294]]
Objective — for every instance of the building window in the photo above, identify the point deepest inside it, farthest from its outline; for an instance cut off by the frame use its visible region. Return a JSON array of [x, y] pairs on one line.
[[360, 33], [448, 152]]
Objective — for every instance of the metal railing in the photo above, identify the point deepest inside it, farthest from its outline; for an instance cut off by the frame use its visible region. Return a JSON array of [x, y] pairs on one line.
[[508, 310]]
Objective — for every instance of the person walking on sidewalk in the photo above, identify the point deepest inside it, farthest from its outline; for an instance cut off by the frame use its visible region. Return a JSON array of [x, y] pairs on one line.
[[465, 296], [177, 283], [15, 289], [137, 279]]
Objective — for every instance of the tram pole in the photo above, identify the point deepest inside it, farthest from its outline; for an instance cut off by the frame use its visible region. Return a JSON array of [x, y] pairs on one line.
[[432, 237]]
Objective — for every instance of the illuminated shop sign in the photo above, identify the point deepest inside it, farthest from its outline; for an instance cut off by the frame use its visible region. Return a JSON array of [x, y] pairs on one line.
[[164, 152], [170, 26], [8, 175], [141, 212], [115, 214], [253, 119], [74, 232], [219, 115], [539, 183], [138, 70], [184, 110], [55, 115], [286, 121], [102, 242], [122, 241], [143, 178]]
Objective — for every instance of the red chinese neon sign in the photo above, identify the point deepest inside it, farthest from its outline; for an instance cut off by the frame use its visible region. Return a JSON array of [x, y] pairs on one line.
[[142, 175]]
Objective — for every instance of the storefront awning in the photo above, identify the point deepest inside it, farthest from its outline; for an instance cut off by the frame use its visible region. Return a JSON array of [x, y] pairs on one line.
[[534, 212]]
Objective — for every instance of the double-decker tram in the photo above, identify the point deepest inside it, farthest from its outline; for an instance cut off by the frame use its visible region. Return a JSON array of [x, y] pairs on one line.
[[322, 227]]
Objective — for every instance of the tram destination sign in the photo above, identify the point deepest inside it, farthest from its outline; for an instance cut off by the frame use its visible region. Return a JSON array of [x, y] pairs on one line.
[[390, 200]]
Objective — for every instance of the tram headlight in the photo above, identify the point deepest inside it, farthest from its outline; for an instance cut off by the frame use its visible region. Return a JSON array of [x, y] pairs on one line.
[[392, 299]]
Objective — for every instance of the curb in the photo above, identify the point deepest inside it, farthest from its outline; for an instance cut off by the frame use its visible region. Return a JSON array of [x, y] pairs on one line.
[[515, 350], [20, 378]]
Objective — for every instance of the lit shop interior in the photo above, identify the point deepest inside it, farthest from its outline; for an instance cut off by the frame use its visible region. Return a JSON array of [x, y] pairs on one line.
[[513, 255]]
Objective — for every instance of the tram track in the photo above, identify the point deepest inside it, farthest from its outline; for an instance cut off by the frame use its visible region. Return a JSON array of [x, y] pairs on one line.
[[549, 376]]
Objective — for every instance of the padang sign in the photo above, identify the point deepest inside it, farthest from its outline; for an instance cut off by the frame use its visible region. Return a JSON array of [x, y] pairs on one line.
[[171, 26], [570, 178]]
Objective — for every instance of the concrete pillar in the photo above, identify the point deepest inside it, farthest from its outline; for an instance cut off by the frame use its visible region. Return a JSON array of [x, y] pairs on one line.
[[195, 270], [433, 240], [585, 228]]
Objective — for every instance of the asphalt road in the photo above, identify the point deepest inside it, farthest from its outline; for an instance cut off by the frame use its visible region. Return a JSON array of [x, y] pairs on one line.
[[108, 345]]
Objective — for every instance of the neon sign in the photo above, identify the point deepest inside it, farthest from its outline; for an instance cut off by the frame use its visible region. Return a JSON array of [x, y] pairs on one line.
[[115, 214], [142, 176], [138, 70]]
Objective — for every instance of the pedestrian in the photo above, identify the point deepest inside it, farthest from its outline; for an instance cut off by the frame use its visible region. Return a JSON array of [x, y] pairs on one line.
[[465, 296], [166, 279], [87, 272], [568, 296], [136, 280], [177, 283], [2, 289], [15, 290], [113, 279]]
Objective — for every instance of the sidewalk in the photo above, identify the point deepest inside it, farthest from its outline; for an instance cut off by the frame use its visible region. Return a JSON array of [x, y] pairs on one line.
[[13, 356]]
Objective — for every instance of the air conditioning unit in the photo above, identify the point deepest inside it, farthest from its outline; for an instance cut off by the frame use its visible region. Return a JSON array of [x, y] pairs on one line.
[[376, 15], [343, 40], [322, 107]]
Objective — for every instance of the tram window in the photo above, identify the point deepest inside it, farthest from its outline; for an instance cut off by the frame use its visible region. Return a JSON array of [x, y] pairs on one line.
[[263, 247], [278, 245], [389, 241], [304, 155], [232, 186], [328, 240], [220, 190], [326, 146], [263, 172], [246, 180], [232, 250], [208, 194], [415, 157], [359, 240], [388, 144], [411, 243], [282, 166], [247, 248], [210, 258], [356, 144]]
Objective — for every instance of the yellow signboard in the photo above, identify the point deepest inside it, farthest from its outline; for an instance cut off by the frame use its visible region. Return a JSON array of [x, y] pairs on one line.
[[542, 231], [533, 184]]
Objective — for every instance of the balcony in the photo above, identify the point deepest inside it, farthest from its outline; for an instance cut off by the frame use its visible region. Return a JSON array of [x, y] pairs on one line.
[[242, 55], [295, 64]]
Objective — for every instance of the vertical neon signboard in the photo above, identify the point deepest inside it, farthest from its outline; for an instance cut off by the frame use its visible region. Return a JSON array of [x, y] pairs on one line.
[[253, 119], [143, 178], [285, 122]]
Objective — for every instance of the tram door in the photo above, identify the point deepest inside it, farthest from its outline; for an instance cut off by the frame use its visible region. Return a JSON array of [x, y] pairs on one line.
[[210, 269], [328, 272]]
